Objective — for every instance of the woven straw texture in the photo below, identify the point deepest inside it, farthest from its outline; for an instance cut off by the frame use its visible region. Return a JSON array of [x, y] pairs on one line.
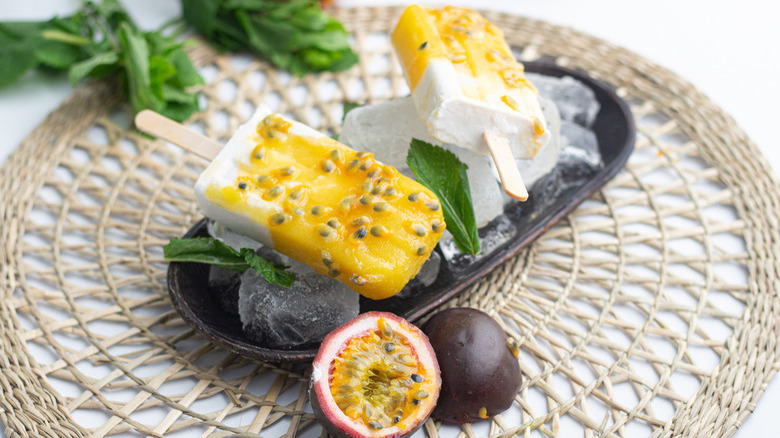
[[649, 311]]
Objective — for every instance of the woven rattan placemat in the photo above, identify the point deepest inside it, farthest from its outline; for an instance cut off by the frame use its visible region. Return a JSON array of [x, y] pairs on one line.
[[650, 310]]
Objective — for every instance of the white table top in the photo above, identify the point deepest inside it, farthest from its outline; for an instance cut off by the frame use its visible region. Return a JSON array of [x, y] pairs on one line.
[[725, 49]]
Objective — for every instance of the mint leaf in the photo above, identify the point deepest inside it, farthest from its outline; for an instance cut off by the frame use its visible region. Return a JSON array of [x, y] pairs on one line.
[[14, 62], [137, 68], [214, 252], [442, 172], [349, 106], [186, 74], [204, 250], [271, 272], [86, 67]]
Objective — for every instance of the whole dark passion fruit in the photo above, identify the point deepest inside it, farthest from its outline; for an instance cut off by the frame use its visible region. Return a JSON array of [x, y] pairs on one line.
[[375, 376], [478, 361]]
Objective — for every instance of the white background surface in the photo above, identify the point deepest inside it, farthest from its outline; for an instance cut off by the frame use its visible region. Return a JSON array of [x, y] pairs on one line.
[[726, 49]]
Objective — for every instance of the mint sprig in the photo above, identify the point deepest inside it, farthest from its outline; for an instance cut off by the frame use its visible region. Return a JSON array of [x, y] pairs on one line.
[[441, 171], [101, 40], [214, 252], [294, 35]]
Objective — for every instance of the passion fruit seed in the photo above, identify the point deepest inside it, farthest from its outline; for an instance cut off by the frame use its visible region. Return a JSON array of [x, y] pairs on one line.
[[287, 171], [275, 191], [413, 197], [298, 211], [334, 273], [324, 230], [336, 156], [296, 193], [366, 187], [327, 259], [353, 164], [366, 199], [437, 226], [359, 221], [357, 280], [334, 223], [328, 166], [432, 205], [242, 185], [381, 206], [279, 218], [419, 230], [389, 347], [390, 192], [416, 378], [262, 179], [317, 210], [259, 154], [422, 250], [361, 233], [378, 231], [385, 330]]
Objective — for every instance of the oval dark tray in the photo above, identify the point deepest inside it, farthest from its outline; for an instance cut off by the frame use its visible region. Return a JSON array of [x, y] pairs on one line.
[[615, 131]]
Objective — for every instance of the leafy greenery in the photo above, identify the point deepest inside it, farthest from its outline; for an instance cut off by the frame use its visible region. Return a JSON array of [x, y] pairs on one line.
[[294, 35], [101, 40], [349, 106], [213, 252], [442, 172]]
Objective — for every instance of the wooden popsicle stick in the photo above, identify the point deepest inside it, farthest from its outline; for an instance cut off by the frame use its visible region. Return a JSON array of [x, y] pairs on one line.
[[511, 180], [160, 126]]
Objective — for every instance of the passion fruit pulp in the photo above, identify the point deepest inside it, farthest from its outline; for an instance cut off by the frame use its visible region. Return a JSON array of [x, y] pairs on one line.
[[376, 376], [479, 369]]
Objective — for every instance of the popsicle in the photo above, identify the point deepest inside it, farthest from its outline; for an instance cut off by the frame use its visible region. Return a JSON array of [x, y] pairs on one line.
[[467, 87], [310, 197], [386, 128]]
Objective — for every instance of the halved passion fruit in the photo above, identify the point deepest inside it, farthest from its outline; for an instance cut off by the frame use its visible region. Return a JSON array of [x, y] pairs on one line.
[[375, 376]]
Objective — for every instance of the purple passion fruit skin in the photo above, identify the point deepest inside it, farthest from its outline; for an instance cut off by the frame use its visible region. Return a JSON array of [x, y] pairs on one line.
[[375, 377], [479, 369]]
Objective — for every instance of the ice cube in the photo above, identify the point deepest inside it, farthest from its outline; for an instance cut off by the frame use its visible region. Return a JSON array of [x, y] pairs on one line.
[[577, 166], [230, 237], [426, 276], [385, 129], [576, 102], [224, 284], [278, 317], [491, 238], [584, 140]]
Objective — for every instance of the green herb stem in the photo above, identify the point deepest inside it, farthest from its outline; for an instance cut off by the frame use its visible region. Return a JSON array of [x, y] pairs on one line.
[[67, 38]]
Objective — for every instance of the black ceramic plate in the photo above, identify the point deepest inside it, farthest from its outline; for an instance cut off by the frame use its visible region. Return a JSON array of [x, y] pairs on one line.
[[615, 131]]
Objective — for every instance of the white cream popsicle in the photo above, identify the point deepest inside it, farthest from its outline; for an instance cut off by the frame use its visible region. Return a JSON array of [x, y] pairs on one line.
[[465, 82], [387, 128], [319, 202]]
